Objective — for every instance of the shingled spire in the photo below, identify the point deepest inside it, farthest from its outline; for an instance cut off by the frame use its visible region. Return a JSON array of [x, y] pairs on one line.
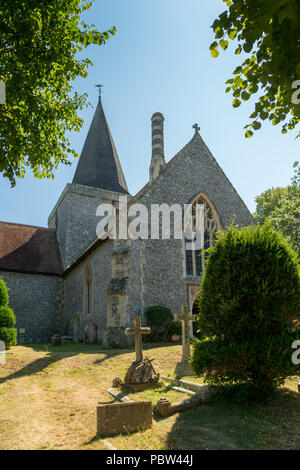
[[99, 164]]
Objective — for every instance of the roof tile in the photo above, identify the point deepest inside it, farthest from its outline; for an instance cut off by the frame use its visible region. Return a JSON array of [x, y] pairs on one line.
[[25, 248]]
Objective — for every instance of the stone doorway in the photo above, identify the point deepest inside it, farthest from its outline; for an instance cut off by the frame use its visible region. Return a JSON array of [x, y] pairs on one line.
[[195, 311], [76, 328]]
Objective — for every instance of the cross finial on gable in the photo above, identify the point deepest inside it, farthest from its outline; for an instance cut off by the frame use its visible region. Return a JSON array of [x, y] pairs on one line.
[[196, 127]]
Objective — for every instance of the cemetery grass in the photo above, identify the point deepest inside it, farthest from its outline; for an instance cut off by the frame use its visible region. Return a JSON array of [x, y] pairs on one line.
[[48, 399], [154, 394]]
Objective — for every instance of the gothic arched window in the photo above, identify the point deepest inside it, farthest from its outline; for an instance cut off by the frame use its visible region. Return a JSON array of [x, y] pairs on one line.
[[195, 258], [87, 291]]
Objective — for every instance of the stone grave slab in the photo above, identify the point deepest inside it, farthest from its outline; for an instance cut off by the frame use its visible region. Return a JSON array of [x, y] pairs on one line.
[[121, 418], [204, 391]]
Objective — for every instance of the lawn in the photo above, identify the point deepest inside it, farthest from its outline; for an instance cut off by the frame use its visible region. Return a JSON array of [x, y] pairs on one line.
[[154, 394], [48, 399]]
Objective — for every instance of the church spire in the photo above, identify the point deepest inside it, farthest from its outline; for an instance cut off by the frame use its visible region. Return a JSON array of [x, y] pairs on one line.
[[99, 164]]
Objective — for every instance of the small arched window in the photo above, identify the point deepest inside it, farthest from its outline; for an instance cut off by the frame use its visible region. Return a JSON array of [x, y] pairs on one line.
[[195, 258], [88, 284]]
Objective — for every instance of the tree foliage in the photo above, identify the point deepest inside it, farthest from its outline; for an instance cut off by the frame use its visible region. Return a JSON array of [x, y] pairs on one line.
[[268, 31], [248, 307], [281, 206], [39, 42], [7, 319]]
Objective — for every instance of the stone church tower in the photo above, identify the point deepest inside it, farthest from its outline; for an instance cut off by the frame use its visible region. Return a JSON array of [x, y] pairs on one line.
[[98, 179], [64, 279]]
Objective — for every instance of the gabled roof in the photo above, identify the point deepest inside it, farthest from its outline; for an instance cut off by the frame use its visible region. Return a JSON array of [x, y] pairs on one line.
[[25, 248], [195, 143], [99, 164], [145, 188], [98, 241]]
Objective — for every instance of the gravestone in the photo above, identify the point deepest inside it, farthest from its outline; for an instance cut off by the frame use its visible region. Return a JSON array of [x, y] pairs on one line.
[[56, 340], [121, 418], [138, 331], [90, 333], [184, 367], [2, 352], [141, 371]]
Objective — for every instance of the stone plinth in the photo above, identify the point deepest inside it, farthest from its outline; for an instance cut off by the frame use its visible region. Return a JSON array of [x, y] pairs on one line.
[[115, 338], [120, 418], [163, 406], [140, 387], [183, 368]]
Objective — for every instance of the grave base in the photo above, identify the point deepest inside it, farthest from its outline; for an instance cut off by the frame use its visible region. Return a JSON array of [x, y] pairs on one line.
[[183, 368], [140, 387]]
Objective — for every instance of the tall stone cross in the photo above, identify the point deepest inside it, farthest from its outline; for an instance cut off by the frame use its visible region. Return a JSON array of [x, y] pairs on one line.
[[185, 318], [138, 331]]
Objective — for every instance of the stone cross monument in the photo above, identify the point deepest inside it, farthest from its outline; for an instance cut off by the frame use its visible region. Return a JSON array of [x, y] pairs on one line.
[[184, 367], [138, 331]]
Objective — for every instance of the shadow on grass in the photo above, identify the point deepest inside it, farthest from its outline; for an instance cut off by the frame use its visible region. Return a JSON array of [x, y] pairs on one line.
[[116, 352], [94, 439], [31, 369], [75, 348], [223, 426], [56, 353], [110, 402]]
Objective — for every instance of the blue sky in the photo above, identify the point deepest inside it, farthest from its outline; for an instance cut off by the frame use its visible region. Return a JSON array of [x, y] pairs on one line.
[[159, 60]]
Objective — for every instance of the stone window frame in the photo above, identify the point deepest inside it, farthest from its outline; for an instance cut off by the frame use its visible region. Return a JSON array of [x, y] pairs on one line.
[[212, 225], [88, 291]]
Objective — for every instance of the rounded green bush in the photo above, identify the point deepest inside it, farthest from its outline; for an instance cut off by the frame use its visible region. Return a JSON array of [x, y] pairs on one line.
[[174, 328], [8, 336], [3, 294], [7, 317], [249, 299], [159, 318]]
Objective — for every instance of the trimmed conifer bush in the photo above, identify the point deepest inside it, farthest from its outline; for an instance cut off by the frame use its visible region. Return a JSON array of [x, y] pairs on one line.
[[248, 305], [7, 319], [3, 293]]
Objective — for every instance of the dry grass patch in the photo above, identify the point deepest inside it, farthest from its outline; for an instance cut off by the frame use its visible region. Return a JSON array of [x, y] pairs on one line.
[[48, 399], [49, 395]]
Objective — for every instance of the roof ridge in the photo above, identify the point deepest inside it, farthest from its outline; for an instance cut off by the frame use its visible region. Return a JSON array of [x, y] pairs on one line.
[[27, 225]]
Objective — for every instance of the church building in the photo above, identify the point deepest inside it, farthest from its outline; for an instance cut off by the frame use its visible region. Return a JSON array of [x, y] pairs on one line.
[[64, 279]]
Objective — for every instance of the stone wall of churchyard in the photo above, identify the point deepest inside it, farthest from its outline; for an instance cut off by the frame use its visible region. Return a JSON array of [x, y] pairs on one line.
[[194, 171], [75, 219], [34, 300], [99, 263]]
